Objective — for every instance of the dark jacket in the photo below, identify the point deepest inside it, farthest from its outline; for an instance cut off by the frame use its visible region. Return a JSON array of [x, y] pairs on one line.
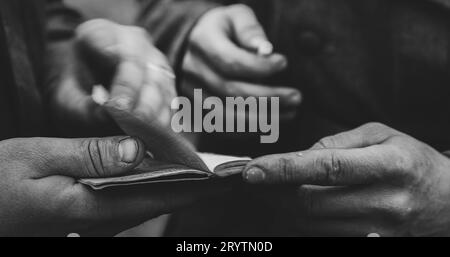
[[356, 61], [25, 29]]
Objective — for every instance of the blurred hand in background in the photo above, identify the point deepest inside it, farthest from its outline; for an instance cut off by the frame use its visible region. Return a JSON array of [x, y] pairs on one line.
[[123, 60], [229, 54]]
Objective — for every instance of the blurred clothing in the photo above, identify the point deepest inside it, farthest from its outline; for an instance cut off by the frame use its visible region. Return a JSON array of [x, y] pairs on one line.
[[25, 28], [356, 61], [120, 11], [170, 22]]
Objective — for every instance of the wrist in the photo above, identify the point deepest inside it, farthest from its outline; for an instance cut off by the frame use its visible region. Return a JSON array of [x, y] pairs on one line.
[[184, 46], [171, 25]]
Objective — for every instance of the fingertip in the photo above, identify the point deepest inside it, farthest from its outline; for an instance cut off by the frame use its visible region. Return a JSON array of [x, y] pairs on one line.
[[261, 45], [280, 61], [290, 97], [131, 150], [100, 95], [295, 98], [254, 175], [128, 150]]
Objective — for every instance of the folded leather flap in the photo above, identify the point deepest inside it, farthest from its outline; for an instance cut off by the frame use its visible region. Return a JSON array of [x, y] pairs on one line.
[[164, 144]]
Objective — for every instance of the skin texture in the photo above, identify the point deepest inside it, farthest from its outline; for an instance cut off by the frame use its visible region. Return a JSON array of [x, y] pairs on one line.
[[123, 60], [39, 192], [40, 195], [373, 179], [222, 58]]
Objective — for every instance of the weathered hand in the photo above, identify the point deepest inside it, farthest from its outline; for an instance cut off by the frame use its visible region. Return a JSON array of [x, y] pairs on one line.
[[40, 196], [370, 180], [222, 58], [119, 57]]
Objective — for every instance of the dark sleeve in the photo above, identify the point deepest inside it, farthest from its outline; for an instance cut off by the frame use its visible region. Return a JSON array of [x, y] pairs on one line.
[[169, 22], [60, 21]]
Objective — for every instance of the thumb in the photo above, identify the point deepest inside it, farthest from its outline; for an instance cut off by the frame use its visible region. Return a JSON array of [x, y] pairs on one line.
[[89, 158], [248, 31]]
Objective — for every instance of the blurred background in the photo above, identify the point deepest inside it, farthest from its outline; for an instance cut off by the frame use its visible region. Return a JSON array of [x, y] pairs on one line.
[[122, 11]]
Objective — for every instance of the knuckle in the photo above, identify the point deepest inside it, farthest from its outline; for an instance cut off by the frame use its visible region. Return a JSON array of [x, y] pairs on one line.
[[241, 9], [92, 25], [333, 169], [287, 170], [380, 130], [375, 126], [217, 12], [138, 31], [402, 206], [405, 164], [397, 207], [326, 142], [92, 157]]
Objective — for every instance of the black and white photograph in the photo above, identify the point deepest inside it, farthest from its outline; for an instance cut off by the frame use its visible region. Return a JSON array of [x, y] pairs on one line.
[[207, 119]]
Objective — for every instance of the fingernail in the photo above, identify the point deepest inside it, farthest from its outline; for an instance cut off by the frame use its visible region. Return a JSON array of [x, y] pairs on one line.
[[254, 175], [100, 95], [295, 98], [128, 150], [123, 103], [265, 48], [262, 46]]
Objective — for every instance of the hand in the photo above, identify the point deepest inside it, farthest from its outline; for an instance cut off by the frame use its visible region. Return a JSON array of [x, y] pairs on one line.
[[370, 180], [40, 195], [119, 57], [222, 57]]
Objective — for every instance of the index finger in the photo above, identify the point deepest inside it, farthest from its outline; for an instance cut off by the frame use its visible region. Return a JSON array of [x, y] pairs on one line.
[[231, 60], [329, 167], [129, 79]]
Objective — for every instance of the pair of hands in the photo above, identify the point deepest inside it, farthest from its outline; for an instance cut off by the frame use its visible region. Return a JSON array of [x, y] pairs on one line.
[[39, 190], [221, 55], [372, 180]]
